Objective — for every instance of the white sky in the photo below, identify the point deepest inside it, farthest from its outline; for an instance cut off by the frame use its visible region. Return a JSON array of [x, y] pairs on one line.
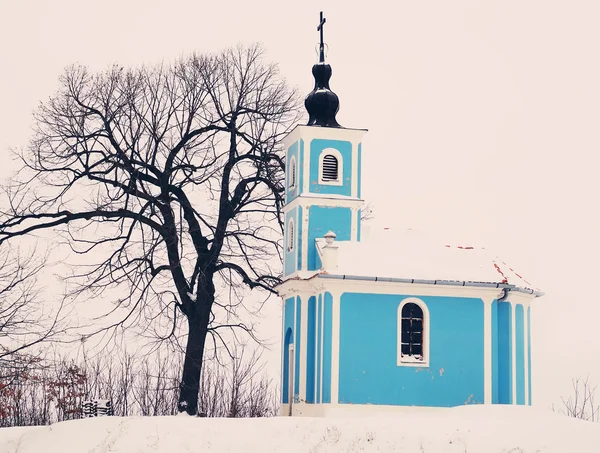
[[482, 118]]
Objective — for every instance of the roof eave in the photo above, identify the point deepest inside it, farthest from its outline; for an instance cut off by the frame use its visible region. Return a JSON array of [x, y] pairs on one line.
[[498, 285]]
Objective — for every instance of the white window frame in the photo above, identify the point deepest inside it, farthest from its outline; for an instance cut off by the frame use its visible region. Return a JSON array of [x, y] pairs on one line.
[[291, 238], [292, 174], [335, 153], [408, 360]]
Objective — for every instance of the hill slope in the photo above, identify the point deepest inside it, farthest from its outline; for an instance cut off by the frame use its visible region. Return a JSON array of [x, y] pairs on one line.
[[469, 429]]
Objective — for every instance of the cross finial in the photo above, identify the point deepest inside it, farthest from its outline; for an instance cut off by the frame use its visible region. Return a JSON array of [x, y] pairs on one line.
[[321, 45]]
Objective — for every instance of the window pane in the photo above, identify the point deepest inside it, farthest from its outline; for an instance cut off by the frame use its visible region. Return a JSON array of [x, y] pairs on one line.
[[406, 326], [405, 349], [417, 349], [417, 325], [416, 337], [412, 311]]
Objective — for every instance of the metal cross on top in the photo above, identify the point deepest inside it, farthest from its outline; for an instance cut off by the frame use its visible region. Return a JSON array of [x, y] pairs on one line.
[[321, 45]]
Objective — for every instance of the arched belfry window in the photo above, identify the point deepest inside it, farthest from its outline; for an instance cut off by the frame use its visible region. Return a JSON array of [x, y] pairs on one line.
[[330, 167], [413, 332], [290, 245], [292, 173]]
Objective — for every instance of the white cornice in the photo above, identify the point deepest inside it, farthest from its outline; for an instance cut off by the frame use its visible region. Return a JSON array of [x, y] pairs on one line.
[[314, 285], [309, 133], [306, 200], [520, 298]]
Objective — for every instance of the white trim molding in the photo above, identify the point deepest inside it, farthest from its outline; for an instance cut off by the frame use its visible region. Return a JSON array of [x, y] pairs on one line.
[[305, 244], [305, 150], [487, 348], [339, 181], [328, 200], [315, 284], [526, 314], [355, 182], [283, 352], [293, 174], [404, 361], [322, 327], [354, 224], [309, 133], [303, 343], [335, 345], [513, 321]]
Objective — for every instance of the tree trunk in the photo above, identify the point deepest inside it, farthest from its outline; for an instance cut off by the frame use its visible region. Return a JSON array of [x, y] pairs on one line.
[[192, 366]]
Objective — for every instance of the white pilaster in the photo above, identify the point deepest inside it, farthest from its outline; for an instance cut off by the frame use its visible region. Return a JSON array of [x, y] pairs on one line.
[[292, 373], [526, 347], [354, 225], [513, 307], [354, 186], [303, 344], [305, 244], [296, 241], [317, 346], [321, 345], [306, 162], [487, 349], [335, 346], [283, 351]]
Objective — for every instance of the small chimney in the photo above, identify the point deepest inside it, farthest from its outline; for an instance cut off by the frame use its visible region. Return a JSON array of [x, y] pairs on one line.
[[329, 253]]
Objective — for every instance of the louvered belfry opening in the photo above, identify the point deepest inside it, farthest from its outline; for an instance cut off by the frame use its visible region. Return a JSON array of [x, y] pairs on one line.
[[412, 331], [291, 236], [293, 173], [330, 168]]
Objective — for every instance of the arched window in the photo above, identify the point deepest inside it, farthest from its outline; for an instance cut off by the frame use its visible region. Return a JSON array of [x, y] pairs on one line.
[[291, 235], [292, 173], [413, 326], [330, 167]]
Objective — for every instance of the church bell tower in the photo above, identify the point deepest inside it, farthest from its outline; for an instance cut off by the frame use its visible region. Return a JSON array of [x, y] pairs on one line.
[[323, 176]]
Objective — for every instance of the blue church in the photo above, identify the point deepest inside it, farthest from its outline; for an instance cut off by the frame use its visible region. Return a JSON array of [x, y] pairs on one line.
[[396, 320]]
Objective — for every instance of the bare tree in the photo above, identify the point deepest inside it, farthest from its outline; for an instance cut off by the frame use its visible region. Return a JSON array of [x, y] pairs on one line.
[[25, 322], [367, 212], [169, 181], [580, 404]]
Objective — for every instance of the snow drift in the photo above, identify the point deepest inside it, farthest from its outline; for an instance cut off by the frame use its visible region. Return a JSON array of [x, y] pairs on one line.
[[467, 429]]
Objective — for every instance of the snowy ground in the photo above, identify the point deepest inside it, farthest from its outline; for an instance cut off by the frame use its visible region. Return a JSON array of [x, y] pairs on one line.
[[468, 429]]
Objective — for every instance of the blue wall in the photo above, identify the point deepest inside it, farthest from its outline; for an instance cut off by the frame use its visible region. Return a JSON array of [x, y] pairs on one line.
[[369, 373], [311, 349], [345, 148], [504, 353], [288, 326], [322, 219], [520, 353]]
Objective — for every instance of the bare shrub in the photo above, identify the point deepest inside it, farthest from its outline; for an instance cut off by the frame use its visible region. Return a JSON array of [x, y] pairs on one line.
[[581, 403], [146, 385]]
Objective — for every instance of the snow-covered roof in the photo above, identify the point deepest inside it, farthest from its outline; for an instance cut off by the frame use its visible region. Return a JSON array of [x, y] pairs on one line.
[[410, 255]]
